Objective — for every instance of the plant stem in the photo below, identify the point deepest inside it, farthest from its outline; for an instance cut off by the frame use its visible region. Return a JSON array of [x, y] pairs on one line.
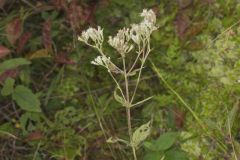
[[135, 62], [126, 79], [128, 110], [118, 85], [148, 49], [138, 80]]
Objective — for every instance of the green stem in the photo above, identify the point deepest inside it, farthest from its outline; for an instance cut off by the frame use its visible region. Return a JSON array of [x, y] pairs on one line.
[[128, 110]]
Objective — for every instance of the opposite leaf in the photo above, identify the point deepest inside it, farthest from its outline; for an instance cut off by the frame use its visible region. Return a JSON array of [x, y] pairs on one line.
[[141, 134], [26, 99]]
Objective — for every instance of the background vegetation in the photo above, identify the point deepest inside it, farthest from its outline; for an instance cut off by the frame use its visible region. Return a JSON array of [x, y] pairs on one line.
[[55, 105]]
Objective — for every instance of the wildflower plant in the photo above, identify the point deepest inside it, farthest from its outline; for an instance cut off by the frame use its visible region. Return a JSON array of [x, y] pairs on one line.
[[126, 41]]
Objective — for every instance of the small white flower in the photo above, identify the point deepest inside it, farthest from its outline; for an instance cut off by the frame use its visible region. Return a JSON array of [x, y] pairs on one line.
[[136, 38], [149, 16], [140, 32], [121, 41], [96, 35], [101, 61]]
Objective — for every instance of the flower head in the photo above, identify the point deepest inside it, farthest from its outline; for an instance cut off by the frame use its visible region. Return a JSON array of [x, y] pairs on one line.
[[96, 35], [149, 16], [101, 61], [121, 41], [143, 30]]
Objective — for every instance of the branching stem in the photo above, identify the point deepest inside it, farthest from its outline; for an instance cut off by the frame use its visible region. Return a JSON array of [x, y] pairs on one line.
[[128, 110]]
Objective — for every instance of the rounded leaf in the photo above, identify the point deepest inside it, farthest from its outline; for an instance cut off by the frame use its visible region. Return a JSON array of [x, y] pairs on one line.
[[166, 141], [26, 99]]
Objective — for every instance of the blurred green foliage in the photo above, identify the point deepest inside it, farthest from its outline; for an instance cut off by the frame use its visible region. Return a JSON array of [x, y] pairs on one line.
[[195, 49]]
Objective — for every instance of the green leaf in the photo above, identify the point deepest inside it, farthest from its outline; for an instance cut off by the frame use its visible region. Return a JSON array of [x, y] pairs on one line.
[[12, 63], [29, 121], [166, 141], [26, 99], [175, 155], [153, 156], [141, 134], [8, 87], [150, 145], [7, 127]]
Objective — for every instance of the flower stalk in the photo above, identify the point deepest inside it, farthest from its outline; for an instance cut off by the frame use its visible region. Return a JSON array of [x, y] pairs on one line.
[[125, 42]]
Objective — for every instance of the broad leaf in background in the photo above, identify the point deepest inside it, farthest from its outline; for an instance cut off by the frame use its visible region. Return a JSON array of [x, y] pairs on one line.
[[150, 145], [153, 156], [8, 87], [12, 63], [26, 99], [166, 140], [4, 51], [141, 134], [175, 155]]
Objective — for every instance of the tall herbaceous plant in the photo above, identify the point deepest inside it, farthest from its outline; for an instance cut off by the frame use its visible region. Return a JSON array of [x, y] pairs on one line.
[[133, 40]]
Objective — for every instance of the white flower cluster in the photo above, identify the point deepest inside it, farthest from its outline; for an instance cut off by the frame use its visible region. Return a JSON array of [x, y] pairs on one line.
[[138, 33], [101, 61], [121, 41], [142, 31], [149, 16], [96, 35]]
